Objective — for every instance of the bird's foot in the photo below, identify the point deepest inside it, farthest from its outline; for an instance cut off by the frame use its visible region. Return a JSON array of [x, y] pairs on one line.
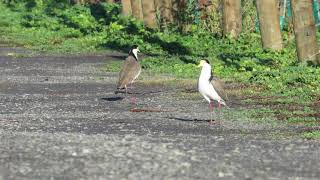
[[213, 122], [211, 106]]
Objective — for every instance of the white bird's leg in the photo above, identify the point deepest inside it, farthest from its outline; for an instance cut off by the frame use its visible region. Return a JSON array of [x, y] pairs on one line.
[[211, 106], [219, 106]]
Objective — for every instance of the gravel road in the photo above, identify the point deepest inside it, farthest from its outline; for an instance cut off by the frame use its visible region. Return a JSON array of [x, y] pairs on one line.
[[60, 119]]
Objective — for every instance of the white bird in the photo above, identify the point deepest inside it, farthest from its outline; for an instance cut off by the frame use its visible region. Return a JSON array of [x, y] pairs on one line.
[[210, 87]]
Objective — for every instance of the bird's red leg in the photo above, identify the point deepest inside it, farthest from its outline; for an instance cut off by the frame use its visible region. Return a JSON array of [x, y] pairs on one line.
[[219, 106], [211, 106], [133, 100]]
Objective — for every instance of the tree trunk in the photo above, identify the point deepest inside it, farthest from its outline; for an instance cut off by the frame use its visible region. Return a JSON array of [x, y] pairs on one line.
[[136, 8], [305, 31], [158, 4], [126, 7], [78, 1], [269, 24], [178, 14], [97, 1], [166, 10], [175, 9], [232, 17], [149, 13]]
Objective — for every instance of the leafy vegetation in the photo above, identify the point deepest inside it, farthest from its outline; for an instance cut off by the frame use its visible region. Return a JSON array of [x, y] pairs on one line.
[[60, 27], [312, 135]]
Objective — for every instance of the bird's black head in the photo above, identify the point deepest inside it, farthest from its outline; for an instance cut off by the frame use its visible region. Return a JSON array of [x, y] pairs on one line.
[[206, 60], [134, 47]]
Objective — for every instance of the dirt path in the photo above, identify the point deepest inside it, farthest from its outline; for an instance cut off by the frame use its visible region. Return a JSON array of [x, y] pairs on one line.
[[59, 119]]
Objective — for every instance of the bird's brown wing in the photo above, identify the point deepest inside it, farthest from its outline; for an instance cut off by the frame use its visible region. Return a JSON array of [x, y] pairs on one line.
[[129, 71], [218, 85]]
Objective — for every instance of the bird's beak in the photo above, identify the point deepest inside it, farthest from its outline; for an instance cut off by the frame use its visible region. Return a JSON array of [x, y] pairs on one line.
[[200, 64]]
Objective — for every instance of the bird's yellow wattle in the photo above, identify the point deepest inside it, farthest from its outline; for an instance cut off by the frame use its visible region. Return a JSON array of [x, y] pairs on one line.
[[202, 62]]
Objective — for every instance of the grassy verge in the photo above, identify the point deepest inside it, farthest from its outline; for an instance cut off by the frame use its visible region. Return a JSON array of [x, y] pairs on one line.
[[271, 83], [13, 29], [311, 135]]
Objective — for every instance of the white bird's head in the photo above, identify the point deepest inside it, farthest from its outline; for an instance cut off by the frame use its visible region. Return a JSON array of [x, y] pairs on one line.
[[204, 62]]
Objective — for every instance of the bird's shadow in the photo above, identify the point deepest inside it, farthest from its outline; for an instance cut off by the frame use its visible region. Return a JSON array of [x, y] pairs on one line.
[[123, 92], [191, 120], [139, 93], [117, 98]]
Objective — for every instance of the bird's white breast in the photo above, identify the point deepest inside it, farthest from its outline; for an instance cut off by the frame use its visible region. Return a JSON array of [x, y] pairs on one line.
[[204, 85]]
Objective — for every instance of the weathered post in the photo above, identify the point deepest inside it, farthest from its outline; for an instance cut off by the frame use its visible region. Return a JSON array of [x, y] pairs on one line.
[[158, 4], [166, 10], [126, 7], [232, 17], [136, 8], [269, 24], [305, 31], [149, 13]]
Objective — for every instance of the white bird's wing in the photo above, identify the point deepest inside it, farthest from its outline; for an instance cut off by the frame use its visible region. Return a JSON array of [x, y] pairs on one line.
[[218, 85], [212, 93]]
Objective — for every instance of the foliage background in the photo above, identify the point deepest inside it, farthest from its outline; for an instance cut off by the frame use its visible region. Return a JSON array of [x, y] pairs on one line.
[[65, 27]]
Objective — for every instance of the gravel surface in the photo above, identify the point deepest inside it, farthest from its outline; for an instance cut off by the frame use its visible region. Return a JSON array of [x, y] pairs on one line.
[[60, 119]]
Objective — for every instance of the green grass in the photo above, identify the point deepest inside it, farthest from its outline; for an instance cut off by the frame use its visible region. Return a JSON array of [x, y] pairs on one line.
[[113, 66], [311, 135], [62, 39]]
